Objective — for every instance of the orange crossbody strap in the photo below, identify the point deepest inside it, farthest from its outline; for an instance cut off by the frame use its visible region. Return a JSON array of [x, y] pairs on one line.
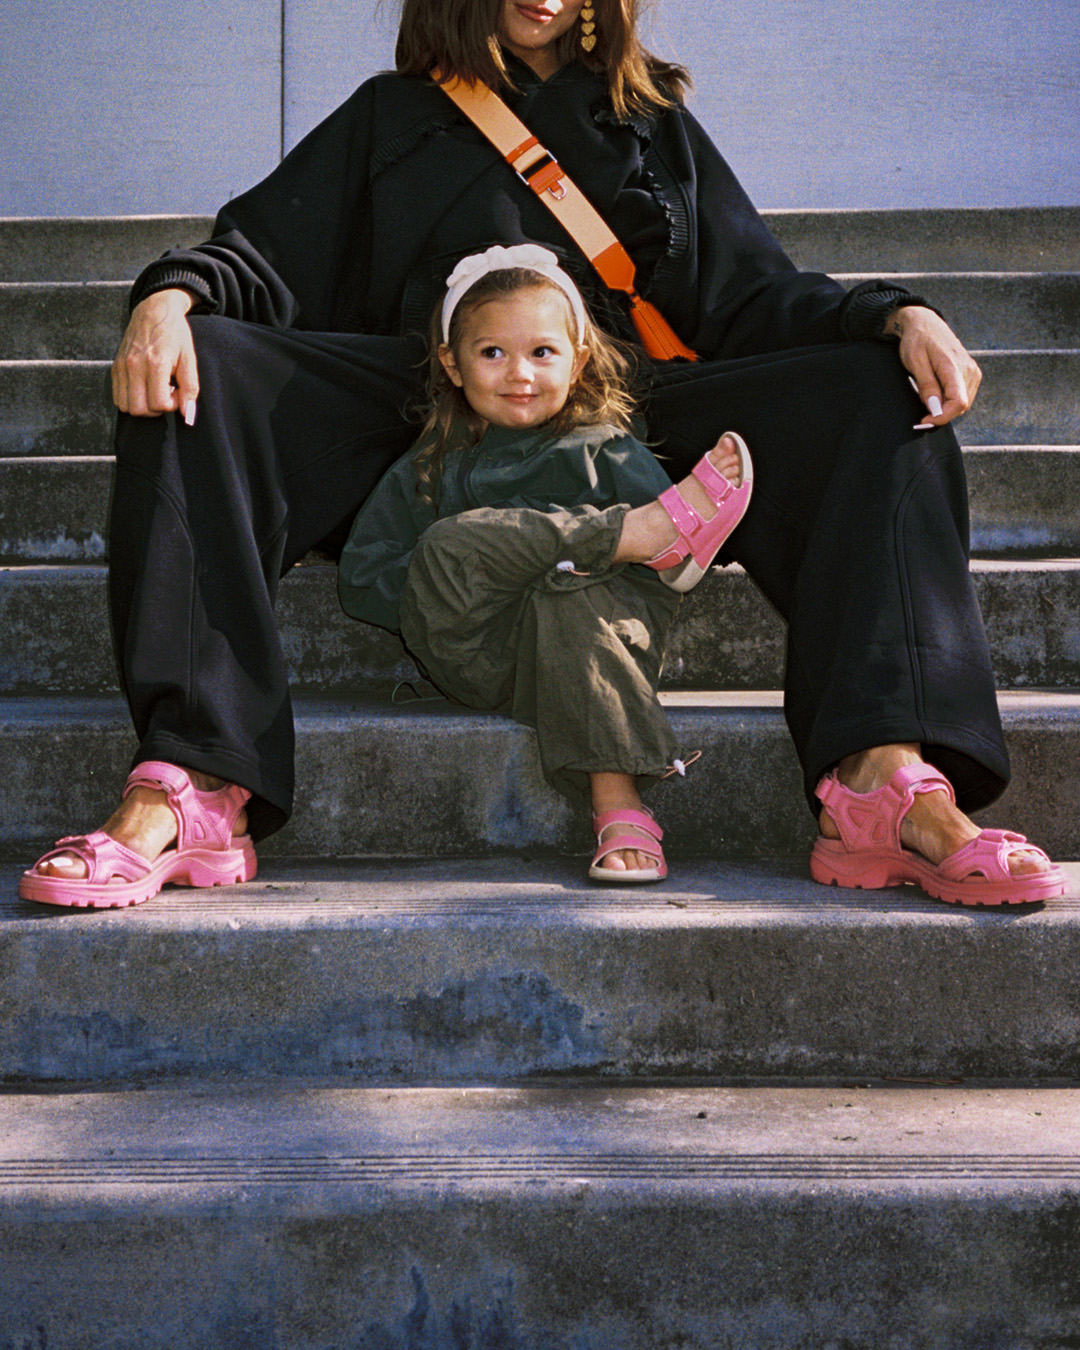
[[536, 167]]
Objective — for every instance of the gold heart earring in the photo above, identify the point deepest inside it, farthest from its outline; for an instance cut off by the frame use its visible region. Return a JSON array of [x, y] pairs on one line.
[[588, 28]]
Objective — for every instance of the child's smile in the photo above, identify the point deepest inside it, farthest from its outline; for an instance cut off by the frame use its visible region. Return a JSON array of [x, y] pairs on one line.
[[515, 359]]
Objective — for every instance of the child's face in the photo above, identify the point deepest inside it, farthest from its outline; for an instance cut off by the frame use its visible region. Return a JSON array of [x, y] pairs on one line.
[[516, 360]]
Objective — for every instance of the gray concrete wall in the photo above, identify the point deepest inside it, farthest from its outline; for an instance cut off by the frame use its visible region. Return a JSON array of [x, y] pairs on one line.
[[175, 105]]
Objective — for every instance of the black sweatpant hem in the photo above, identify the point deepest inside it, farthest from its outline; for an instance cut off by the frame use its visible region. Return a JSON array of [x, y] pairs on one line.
[[977, 767]]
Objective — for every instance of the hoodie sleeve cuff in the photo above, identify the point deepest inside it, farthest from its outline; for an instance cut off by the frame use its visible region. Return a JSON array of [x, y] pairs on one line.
[[868, 306]]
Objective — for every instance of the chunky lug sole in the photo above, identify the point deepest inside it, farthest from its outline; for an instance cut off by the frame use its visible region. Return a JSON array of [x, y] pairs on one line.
[[206, 852], [869, 855]]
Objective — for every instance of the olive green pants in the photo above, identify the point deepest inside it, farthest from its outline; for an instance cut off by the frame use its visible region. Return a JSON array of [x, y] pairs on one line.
[[498, 625]]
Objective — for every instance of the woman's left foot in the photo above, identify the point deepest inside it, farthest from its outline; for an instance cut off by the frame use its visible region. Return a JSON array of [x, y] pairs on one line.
[[888, 818]]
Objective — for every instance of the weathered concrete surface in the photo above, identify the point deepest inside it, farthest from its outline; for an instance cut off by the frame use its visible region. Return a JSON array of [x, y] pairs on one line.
[[1023, 499], [544, 1219], [91, 248], [54, 510], [55, 408], [1001, 310], [1026, 398], [496, 970], [1006, 239], [726, 637], [376, 780], [61, 320]]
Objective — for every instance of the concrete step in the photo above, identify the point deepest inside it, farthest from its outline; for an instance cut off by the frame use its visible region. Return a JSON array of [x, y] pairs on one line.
[[55, 622], [996, 310], [1026, 398], [429, 780], [54, 509], [1023, 499], [63, 407], [1005, 239], [50, 408], [84, 320], [68, 320], [999, 240], [497, 970], [596, 1218], [1022, 504], [91, 248]]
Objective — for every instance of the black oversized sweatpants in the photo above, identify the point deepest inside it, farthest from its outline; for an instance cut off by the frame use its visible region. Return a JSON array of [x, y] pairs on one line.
[[857, 533]]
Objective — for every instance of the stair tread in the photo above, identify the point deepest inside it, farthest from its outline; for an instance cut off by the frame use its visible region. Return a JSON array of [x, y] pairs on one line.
[[508, 969], [562, 1217], [116, 247], [550, 893], [270, 1135]]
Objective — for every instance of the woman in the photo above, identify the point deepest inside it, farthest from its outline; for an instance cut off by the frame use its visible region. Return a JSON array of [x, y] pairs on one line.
[[288, 345]]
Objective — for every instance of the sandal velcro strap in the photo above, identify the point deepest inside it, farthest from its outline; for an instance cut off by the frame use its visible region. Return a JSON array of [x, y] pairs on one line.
[[650, 846], [699, 540], [988, 856], [712, 480], [872, 819], [104, 857], [204, 819]]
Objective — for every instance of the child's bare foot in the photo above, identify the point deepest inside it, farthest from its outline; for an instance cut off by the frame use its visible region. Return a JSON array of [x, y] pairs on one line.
[[649, 529], [617, 792]]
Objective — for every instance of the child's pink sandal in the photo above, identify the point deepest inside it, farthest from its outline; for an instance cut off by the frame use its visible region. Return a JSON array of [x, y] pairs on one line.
[[700, 540], [869, 853], [206, 852], [644, 821]]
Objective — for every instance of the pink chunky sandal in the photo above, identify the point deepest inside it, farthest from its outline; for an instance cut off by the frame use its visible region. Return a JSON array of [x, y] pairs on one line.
[[700, 540], [206, 852], [869, 853], [643, 820]]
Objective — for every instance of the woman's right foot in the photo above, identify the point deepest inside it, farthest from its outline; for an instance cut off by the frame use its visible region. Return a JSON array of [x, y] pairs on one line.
[[172, 825], [143, 822]]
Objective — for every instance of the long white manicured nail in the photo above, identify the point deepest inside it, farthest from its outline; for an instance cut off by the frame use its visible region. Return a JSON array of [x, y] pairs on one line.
[[933, 403], [189, 413], [924, 426]]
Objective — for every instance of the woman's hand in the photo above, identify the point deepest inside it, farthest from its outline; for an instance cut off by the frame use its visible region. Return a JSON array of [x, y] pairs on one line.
[[937, 360], [154, 369]]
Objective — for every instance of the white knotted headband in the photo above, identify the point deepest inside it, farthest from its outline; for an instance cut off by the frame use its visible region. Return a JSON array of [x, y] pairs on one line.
[[499, 259]]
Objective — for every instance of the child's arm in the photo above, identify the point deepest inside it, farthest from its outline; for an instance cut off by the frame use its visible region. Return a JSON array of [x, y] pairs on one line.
[[376, 557]]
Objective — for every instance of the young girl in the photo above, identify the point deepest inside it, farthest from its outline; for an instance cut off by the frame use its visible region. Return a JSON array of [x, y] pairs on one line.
[[506, 549]]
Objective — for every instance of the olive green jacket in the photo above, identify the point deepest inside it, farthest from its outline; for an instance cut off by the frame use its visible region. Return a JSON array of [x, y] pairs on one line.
[[589, 466]]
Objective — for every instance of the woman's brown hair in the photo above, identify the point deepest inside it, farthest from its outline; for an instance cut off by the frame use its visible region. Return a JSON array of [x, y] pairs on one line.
[[458, 37], [599, 396]]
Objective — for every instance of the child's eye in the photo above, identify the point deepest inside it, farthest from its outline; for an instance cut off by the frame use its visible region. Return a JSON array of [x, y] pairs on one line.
[[491, 353], [542, 352]]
